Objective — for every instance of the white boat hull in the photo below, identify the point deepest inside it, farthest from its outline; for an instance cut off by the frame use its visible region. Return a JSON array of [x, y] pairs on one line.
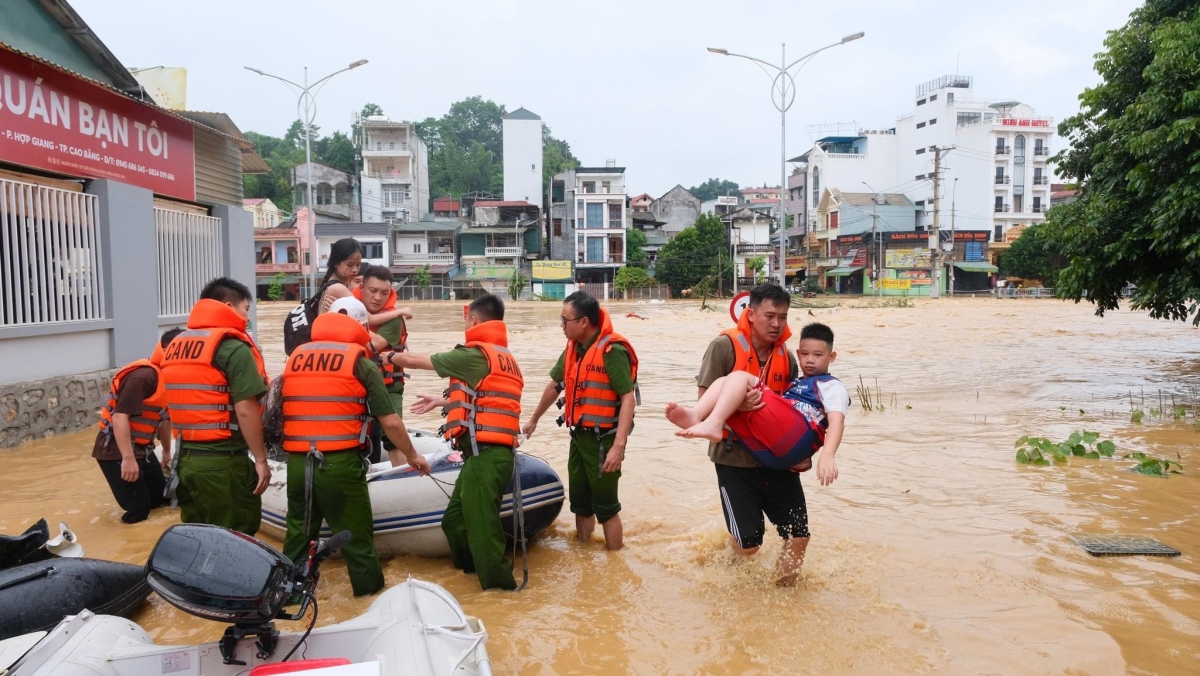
[[415, 628], [408, 508]]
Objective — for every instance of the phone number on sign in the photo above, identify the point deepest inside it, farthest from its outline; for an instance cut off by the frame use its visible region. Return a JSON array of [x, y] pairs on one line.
[[141, 169]]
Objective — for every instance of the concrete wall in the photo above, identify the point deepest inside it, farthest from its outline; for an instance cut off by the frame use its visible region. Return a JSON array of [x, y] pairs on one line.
[[28, 27], [678, 208], [46, 408]]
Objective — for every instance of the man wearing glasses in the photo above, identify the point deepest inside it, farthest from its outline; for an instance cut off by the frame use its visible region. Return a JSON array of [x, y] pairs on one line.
[[597, 375]]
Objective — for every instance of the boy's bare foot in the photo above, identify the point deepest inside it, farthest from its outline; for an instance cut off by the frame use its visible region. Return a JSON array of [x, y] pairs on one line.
[[702, 430], [787, 580], [802, 467], [682, 416]]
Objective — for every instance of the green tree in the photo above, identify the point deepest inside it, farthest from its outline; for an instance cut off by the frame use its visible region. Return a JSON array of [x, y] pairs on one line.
[[1034, 255], [295, 135], [516, 284], [694, 254], [275, 288], [635, 248], [556, 156], [423, 280], [630, 277], [714, 188], [756, 266], [1135, 151], [337, 151]]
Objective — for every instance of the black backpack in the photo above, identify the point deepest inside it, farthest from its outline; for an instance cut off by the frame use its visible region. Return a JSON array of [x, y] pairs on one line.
[[297, 326]]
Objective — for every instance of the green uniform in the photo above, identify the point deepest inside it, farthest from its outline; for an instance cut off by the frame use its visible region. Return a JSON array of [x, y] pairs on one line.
[[472, 519], [391, 332], [339, 497], [590, 491], [217, 478]]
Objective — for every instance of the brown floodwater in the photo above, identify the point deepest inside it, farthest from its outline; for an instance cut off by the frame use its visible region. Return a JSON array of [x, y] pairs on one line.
[[933, 553]]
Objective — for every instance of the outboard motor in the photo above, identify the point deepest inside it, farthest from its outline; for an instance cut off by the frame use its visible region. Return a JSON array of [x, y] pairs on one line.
[[226, 576]]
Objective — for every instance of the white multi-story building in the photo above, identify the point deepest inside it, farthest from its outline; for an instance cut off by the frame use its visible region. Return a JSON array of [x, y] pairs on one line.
[[587, 217], [522, 157], [995, 172], [395, 171]]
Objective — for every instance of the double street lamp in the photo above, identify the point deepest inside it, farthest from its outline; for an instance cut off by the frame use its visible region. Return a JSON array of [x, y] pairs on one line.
[[783, 85], [306, 110]]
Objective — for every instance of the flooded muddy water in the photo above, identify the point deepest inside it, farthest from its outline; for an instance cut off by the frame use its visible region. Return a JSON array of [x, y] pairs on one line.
[[933, 553]]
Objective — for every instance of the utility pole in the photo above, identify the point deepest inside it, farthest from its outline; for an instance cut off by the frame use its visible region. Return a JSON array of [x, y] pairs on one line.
[[935, 239], [953, 232]]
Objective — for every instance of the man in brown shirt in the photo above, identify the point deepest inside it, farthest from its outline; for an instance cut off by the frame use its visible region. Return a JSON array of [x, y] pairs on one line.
[[134, 474]]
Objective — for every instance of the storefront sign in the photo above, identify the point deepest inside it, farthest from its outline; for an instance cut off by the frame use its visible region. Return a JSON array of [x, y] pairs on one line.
[[896, 284], [1024, 122], [968, 236], [53, 121], [906, 258], [858, 257], [844, 240], [795, 263], [915, 277], [552, 271], [915, 237]]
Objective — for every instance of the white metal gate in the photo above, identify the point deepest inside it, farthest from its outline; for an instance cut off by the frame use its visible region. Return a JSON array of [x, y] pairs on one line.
[[49, 255], [189, 256]]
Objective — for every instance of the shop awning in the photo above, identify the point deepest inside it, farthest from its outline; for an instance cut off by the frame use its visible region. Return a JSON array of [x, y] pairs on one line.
[[286, 279], [844, 271], [977, 267]]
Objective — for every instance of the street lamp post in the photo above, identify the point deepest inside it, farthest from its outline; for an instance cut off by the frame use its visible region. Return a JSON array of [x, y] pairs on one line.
[[784, 84], [876, 272], [953, 244], [306, 109]]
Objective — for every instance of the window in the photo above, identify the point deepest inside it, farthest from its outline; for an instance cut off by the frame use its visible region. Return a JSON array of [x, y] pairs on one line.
[[606, 187], [920, 102], [950, 98], [999, 144], [999, 174], [416, 248], [933, 97], [595, 250], [920, 151], [999, 205], [379, 145], [1037, 173], [579, 209], [1037, 144], [307, 258], [1037, 204], [933, 121], [557, 227], [968, 118], [589, 187], [999, 235], [558, 191], [614, 216], [391, 145], [595, 215], [324, 194], [920, 125], [372, 249]]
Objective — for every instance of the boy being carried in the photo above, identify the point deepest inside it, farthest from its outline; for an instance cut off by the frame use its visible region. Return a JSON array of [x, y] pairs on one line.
[[781, 432]]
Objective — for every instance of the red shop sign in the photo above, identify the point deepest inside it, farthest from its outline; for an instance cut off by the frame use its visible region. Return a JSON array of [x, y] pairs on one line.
[[1025, 122], [53, 121]]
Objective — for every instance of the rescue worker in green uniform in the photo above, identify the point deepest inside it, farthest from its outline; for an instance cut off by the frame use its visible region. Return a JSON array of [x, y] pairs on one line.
[[331, 391], [214, 377], [377, 295], [597, 376], [483, 412]]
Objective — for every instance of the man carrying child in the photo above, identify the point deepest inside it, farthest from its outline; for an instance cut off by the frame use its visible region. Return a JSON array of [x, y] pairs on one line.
[[782, 419]]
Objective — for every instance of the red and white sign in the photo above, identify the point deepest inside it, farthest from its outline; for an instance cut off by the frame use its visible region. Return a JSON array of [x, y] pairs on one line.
[[53, 121], [1024, 122], [738, 305]]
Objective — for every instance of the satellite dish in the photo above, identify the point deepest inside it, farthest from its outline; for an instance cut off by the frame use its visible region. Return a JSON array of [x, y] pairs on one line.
[[738, 305]]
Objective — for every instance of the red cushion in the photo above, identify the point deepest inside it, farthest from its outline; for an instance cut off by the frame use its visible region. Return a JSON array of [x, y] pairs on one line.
[[302, 665]]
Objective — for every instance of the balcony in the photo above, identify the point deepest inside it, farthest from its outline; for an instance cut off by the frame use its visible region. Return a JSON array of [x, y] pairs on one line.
[[1002, 208], [423, 259], [276, 233], [402, 178], [385, 151], [1039, 208], [610, 259], [1041, 152], [754, 248], [1003, 180], [503, 251], [1003, 150], [272, 268]]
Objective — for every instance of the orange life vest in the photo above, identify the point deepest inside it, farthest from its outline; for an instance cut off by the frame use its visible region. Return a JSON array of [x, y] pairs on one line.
[[388, 370], [777, 373], [197, 391], [143, 427], [778, 370], [324, 404], [491, 412], [591, 402]]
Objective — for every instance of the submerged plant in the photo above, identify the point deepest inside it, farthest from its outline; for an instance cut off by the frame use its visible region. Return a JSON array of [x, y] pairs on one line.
[[1151, 466], [1040, 451]]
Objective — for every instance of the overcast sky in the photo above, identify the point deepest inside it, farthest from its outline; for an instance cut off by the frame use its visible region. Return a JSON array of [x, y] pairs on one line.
[[629, 81]]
